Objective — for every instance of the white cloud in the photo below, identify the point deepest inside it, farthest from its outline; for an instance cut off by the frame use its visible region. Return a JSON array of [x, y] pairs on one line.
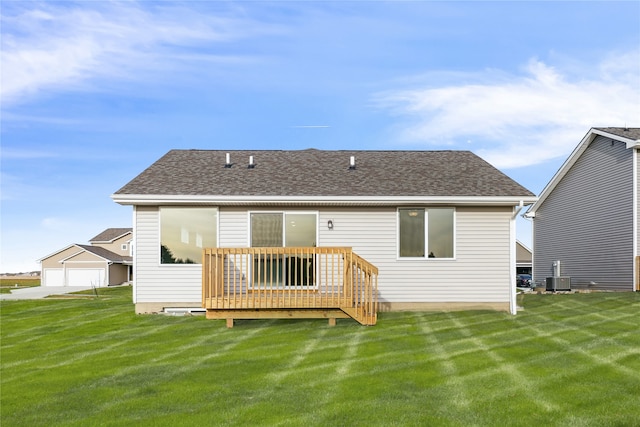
[[23, 154], [52, 45], [519, 120]]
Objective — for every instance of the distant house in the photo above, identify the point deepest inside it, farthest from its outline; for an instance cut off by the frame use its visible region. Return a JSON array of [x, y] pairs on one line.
[[524, 258], [587, 217], [105, 261], [437, 226]]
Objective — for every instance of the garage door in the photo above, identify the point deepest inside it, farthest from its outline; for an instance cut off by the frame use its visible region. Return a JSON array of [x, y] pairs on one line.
[[53, 277], [85, 277]]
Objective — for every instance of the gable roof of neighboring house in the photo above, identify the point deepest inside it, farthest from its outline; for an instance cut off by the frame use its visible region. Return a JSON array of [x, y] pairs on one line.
[[630, 136], [319, 176], [111, 234], [523, 253], [106, 254], [57, 252]]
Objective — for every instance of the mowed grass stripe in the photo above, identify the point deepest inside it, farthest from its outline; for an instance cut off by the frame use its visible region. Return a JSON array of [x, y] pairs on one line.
[[410, 369], [156, 372], [448, 366], [519, 385]]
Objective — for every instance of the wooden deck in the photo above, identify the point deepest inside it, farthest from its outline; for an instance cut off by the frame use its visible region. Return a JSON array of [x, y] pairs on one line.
[[324, 282]]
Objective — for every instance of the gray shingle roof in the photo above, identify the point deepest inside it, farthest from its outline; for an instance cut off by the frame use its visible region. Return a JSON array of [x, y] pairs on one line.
[[323, 173], [110, 234], [630, 133], [106, 254]]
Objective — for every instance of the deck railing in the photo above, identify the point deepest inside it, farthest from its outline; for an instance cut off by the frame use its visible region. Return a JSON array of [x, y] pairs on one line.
[[276, 279]]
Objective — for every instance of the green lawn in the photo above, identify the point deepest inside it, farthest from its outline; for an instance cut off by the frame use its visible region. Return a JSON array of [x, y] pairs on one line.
[[565, 360]]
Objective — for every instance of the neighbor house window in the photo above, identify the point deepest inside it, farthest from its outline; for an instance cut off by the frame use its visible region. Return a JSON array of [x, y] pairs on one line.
[[184, 232], [426, 233]]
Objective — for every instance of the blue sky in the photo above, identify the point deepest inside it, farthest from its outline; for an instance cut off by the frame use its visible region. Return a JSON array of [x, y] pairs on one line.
[[94, 92]]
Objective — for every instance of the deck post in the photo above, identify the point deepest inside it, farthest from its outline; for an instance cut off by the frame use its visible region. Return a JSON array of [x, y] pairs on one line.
[[332, 321], [229, 322]]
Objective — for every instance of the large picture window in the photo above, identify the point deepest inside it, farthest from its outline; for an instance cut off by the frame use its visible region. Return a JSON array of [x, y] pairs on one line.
[[426, 232], [184, 232]]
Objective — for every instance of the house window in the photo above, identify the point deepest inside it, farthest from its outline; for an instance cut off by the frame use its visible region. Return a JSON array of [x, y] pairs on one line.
[[283, 229], [278, 229], [426, 233], [184, 232]]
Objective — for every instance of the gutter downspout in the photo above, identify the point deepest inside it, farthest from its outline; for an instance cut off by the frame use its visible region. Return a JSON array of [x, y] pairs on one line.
[[518, 209], [108, 278], [134, 258], [636, 273], [513, 305]]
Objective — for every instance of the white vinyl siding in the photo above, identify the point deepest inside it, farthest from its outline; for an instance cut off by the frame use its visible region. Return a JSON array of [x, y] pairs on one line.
[[155, 282], [480, 272]]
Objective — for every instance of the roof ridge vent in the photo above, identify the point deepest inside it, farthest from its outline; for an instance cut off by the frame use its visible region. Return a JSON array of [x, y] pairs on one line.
[[227, 161]]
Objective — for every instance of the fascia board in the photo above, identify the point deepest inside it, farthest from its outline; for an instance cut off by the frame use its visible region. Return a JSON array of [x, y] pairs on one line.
[[78, 253], [139, 199], [633, 144], [60, 250]]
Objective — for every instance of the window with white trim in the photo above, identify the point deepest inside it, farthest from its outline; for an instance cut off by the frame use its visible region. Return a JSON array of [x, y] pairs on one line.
[[426, 233], [283, 229], [185, 232]]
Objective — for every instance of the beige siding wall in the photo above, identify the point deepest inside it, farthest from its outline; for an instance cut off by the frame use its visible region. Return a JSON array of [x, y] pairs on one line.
[[116, 245], [479, 273], [118, 274], [85, 256], [84, 264], [54, 260]]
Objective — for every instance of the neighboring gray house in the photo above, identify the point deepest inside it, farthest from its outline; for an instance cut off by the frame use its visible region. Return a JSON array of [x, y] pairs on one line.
[[438, 225], [587, 216]]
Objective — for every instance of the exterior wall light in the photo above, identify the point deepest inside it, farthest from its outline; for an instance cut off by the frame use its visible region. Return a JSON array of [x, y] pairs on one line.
[[330, 224]]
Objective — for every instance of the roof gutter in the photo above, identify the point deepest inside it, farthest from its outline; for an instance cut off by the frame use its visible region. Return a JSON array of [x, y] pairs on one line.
[[155, 199]]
